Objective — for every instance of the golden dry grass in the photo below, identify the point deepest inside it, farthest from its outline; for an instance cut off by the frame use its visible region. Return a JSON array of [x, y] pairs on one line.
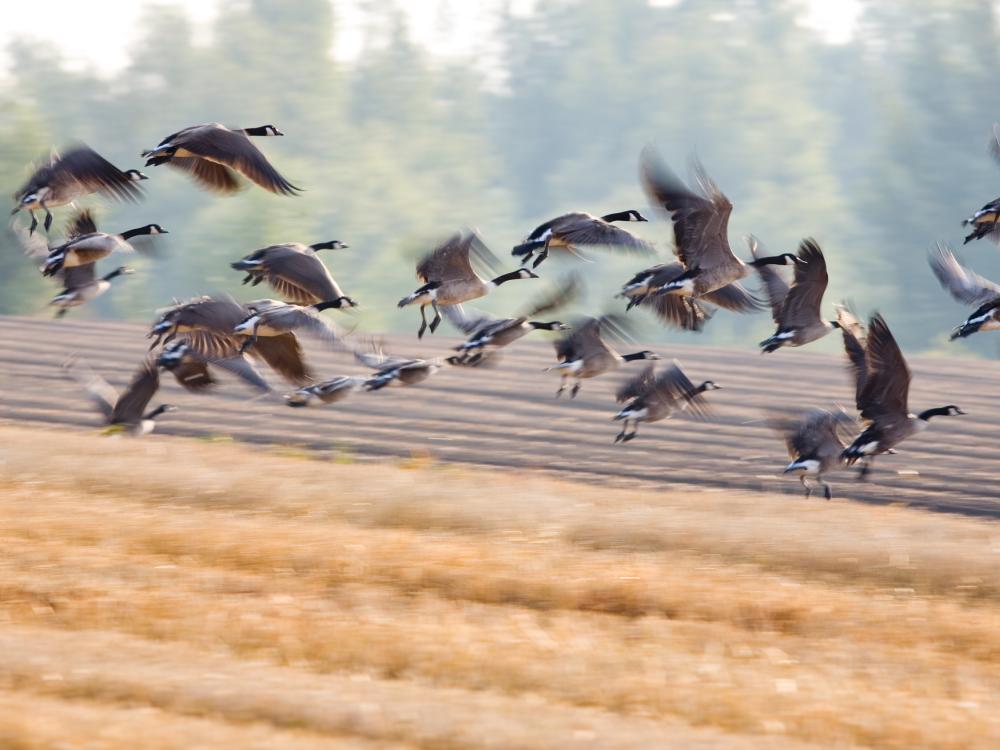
[[252, 598]]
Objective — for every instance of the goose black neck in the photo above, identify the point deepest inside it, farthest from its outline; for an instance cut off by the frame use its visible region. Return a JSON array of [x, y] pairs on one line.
[[330, 303], [331, 245], [157, 411], [835, 324], [635, 356], [262, 130], [114, 274], [537, 325], [773, 260], [618, 216], [940, 411], [507, 277], [130, 233]]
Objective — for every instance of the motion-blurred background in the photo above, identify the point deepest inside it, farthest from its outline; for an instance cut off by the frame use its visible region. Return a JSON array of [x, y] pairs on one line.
[[863, 124]]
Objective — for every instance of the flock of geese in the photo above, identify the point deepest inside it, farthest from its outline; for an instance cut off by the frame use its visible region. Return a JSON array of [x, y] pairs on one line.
[[192, 339]]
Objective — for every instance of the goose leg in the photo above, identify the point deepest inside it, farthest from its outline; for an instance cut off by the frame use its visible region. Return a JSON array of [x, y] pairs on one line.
[[866, 468], [632, 435], [476, 358], [34, 222], [576, 389], [251, 340], [827, 489], [542, 255], [621, 435], [423, 322], [48, 217], [562, 386], [61, 312], [437, 317], [805, 483]]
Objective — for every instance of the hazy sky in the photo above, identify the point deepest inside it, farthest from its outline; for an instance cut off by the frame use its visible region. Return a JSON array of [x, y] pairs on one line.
[[442, 25]]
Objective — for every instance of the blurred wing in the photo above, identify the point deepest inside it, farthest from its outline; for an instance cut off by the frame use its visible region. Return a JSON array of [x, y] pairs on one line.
[[236, 151], [284, 355], [136, 397], [674, 386], [465, 322], [683, 312], [700, 221], [854, 337], [81, 223], [584, 229], [887, 386], [802, 305], [76, 277], [208, 174], [964, 285], [101, 393], [775, 285], [637, 386], [734, 297], [85, 166], [303, 276], [994, 145], [566, 292], [449, 260], [241, 368]]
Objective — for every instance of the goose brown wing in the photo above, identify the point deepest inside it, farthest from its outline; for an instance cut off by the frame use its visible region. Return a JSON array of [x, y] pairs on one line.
[[236, 151], [854, 337], [700, 219], [565, 292], [449, 261], [136, 397], [734, 297], [76, 277], [80, 224], [585, 229], [675, 387], [638, 385], [802, 305], [208, 174], [887, 384], [775, 285], [303, 276], [284, 355], [101, 393], [467, 323], [582, 338], [964, 285], [683, 312], [82, 165]]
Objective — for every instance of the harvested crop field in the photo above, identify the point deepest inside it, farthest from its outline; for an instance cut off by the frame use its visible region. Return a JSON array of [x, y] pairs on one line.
[[506, 416], [212, 594]]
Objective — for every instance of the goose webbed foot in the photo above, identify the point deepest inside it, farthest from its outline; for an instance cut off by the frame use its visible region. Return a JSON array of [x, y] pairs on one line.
[[48, 220], [542, 255], [827, 490], [631, 436], [475, 359], [576, 389], [61, 312], [435, 322], [423, 323], [866, 468], [34, 223], [251, 340]]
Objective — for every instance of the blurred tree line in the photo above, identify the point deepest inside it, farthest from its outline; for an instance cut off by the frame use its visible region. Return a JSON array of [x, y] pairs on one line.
[[875, 147]]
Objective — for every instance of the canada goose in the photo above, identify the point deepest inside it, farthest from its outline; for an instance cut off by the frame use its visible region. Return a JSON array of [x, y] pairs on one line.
[[449, 278], [81, 285], [86, 245], [686, 313], [296, 273], [211, 152], [327, 392], [397, 371], [814, 441], [701, 241], [796, 309], [78, 172], [583, 353], [191, 368], [882, 385], [268, 318], [969, 288], [127, 412], [487, 333], [986, 221], [650, 398], [208, 323], [572, 230]]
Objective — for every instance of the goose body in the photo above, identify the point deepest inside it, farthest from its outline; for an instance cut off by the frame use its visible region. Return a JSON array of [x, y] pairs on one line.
[[796, 308], [86, 245], [708, 269], [969, 288], [191, 368], [450, 279], [649, 397], [76, 173], [487, 334], [81, 286], [815, 442], [125, 413], [882, 385], [681, 311], [986, 221], [584, 352], [296, 272], [395, 371], [212, 153], [578, 229], [327, 392], [209, 323]]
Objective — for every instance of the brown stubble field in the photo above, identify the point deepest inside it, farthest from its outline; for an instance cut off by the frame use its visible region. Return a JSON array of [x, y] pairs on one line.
[[355, 584]]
